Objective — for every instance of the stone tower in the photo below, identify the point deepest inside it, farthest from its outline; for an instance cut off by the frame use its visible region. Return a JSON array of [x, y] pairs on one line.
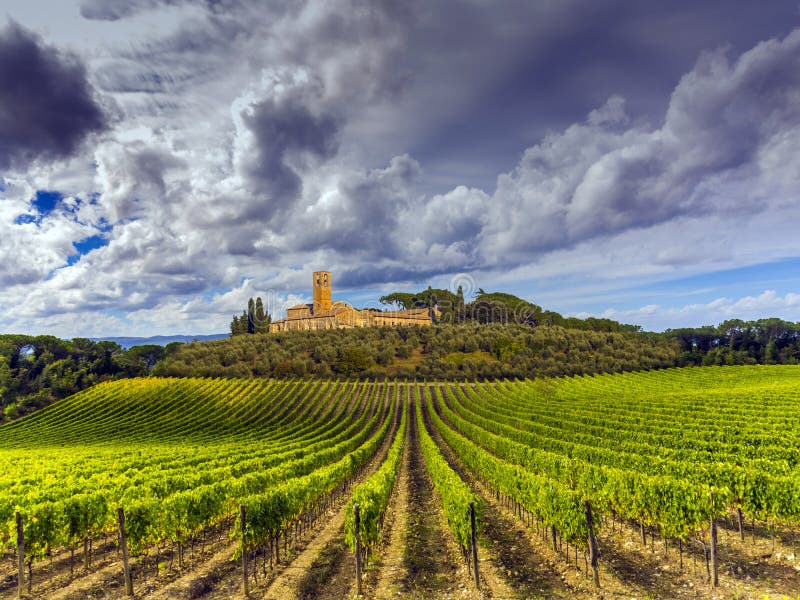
[[322, 291]]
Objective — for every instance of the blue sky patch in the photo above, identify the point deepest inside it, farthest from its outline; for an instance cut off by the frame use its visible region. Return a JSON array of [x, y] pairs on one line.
[[25, 219], [85, 246], [46, 202], [43, 204]]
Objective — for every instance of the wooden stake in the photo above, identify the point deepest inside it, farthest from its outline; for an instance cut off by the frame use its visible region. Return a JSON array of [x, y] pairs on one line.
[[357, 523], [772, 534], [20, 555], [123, 542], [593, 552], [474, 544], [714, 557], [243, 525], [741, 523]]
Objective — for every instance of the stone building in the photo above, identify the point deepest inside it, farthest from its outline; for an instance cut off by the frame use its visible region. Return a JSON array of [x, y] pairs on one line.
[[323, 313]]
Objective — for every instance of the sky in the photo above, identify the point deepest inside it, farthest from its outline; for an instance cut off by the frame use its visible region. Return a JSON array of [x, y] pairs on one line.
[[162, 161]]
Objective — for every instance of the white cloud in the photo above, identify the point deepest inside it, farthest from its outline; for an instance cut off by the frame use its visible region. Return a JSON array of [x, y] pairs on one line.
[[655, 317]]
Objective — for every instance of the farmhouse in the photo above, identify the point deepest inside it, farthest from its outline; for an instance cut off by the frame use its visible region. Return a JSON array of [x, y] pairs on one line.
[[323, 313]]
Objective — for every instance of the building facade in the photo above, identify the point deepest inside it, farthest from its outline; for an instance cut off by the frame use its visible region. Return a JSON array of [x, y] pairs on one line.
[[324, 313]]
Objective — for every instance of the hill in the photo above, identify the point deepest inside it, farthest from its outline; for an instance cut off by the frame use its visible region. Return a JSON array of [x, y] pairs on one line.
[[159, 340], [464, 351]]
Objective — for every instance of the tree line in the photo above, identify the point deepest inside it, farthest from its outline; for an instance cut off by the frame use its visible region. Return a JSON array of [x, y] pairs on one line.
[[737, 342], [254, 319], [36, 370], [498, 308]]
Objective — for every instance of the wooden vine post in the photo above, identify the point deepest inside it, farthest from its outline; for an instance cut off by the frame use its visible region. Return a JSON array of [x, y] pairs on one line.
[[357, 527], [594, 554], [741, 522], [20, 555], [474, 541], [714, 553], [123, 542], [243, 525]]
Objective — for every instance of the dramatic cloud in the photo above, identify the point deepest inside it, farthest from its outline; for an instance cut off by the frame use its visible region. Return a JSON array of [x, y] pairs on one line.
[[360, 216], [564, 151], [280, 130], [131, 174], [602, 177], [47, 106]]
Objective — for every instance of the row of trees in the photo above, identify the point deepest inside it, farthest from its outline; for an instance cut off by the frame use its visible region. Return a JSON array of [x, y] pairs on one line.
[[36, 370], [496, 307], [737, 342], [252, 320]]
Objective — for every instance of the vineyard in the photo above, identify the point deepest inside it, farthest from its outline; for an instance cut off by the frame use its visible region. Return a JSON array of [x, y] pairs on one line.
[[679, 483]]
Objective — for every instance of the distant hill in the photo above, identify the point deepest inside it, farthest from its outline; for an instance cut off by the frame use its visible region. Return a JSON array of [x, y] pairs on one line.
[[160, 340]]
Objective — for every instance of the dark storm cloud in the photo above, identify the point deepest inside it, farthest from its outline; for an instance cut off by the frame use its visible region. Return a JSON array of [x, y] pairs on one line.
[[286, 129], [548, 64], [726, 121], [732, 120], [47, 106]]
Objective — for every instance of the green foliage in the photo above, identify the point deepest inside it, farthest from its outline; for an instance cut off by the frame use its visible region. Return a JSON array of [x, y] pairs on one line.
[[737, 342], [505, 347], [254, 319], [174, 470], [437, 352], [37, 370], [497, 308], [402, 299], [352, 360], [180, 455], [372, 496], [455, 494]]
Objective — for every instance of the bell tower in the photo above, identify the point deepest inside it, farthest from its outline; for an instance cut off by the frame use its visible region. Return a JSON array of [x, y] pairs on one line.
[[322, 291]]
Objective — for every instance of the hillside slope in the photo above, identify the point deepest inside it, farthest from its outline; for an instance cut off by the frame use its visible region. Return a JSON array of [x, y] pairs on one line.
[[465, 351]]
